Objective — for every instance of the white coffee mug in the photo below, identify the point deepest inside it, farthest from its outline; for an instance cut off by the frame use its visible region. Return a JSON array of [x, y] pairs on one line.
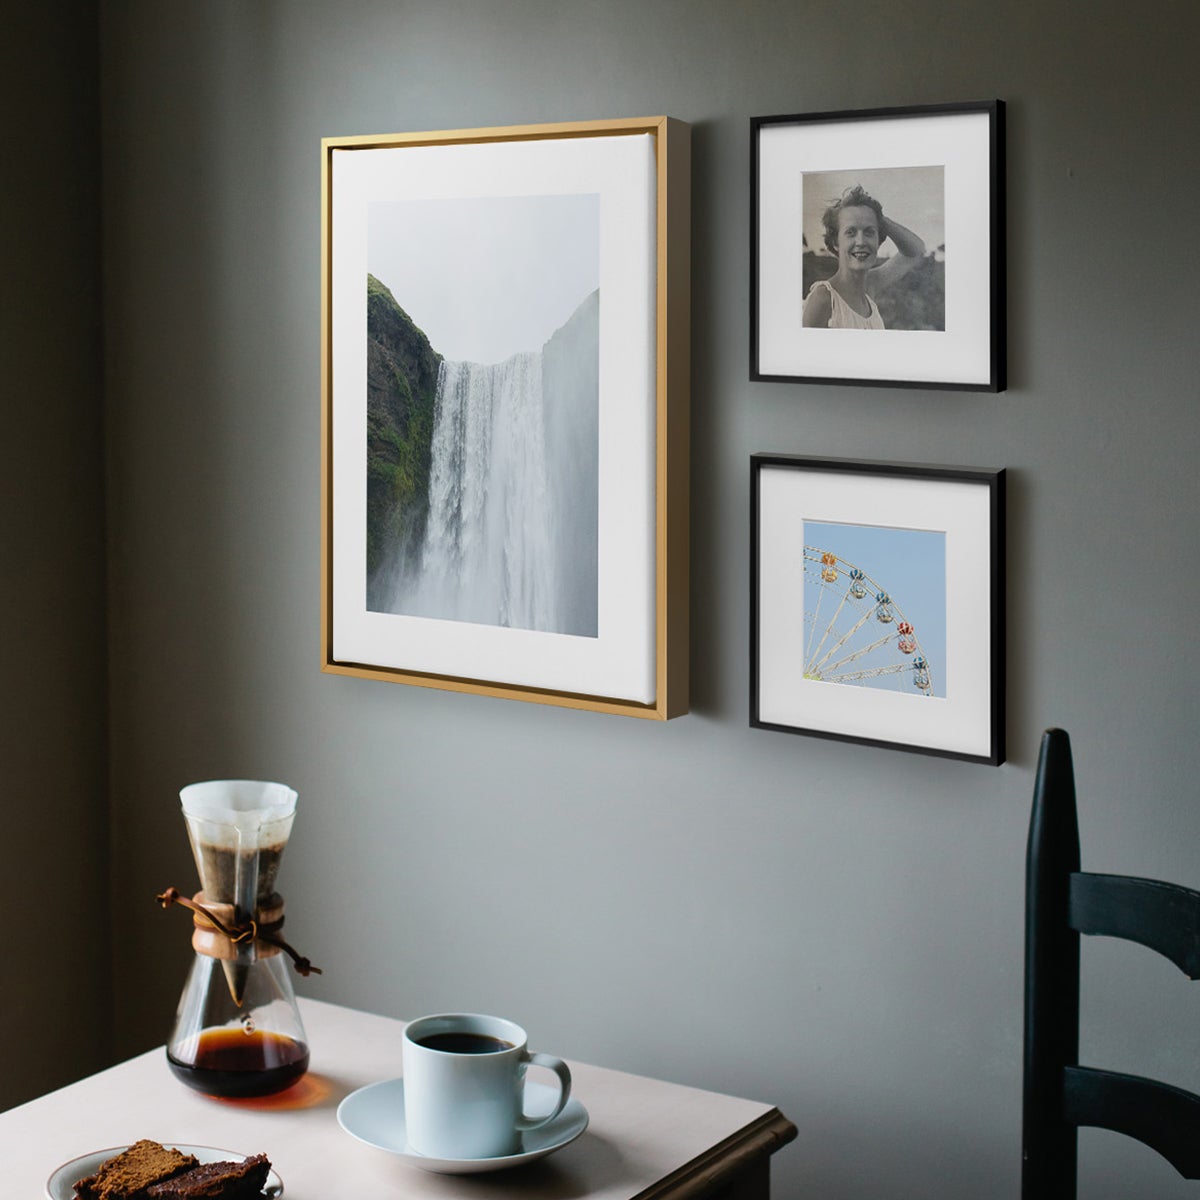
[[464, 1086]]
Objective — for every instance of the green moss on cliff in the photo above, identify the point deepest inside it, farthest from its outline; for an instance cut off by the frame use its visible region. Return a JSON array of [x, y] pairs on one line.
[[402, 373]]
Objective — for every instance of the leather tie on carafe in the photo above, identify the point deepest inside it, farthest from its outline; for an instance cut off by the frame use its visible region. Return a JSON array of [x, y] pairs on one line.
[[219, 932]]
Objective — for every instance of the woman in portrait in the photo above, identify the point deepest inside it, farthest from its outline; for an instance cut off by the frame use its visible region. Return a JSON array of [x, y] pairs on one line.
[[855, 229]]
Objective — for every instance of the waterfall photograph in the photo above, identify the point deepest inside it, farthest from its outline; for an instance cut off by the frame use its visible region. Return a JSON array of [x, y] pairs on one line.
[[482, 440]]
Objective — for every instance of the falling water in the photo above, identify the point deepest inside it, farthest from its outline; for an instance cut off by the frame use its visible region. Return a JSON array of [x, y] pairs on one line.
[[511, 536]]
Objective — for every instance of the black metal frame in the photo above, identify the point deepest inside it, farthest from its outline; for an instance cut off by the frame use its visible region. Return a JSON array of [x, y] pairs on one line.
[[1062, 902], [997, 380], [991, 478]]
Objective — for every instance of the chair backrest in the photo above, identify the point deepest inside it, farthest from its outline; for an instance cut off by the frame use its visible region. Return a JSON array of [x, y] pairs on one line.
[[1061, 902]]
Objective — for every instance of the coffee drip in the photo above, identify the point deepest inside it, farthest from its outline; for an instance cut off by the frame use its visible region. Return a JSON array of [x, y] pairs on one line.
[[238, 1030]]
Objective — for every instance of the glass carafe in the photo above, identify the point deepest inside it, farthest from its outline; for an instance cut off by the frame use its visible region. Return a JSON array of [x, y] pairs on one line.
[[238, 1030]]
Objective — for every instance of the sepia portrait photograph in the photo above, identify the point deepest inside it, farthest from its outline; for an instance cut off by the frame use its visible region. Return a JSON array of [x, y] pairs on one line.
[[874, 249]]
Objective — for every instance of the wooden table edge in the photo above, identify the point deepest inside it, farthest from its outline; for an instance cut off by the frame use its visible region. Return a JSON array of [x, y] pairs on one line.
[[723, 1163]]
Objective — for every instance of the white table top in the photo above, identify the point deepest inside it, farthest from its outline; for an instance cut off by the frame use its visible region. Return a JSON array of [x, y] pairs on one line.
[[641, 1131]]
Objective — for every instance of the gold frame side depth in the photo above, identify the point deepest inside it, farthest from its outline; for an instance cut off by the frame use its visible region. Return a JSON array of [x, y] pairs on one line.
[[672, 404]]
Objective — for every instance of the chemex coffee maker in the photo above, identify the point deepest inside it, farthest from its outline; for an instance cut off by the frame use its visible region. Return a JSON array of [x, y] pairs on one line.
[[238, 1030]]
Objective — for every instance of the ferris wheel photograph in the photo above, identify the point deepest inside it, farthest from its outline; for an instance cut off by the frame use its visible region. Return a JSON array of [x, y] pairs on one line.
[[874, 607]]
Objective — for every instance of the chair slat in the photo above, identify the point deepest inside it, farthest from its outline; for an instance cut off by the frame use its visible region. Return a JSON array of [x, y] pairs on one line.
[[1163, 916], [1165, 1118]]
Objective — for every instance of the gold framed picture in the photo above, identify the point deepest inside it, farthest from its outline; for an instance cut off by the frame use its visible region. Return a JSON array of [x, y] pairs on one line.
[[504, 369]]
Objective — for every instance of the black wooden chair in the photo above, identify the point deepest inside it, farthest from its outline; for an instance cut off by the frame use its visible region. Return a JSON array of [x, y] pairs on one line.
[[1061, 902]]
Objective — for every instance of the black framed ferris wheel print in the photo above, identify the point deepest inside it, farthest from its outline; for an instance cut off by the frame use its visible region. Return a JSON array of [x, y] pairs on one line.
[[877, 604]]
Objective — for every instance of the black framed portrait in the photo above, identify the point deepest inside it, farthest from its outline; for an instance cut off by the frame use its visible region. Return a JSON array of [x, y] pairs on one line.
[[877, 247]]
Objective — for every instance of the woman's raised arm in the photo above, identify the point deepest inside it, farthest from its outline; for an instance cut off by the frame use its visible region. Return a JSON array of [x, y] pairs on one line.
[[910, 249]]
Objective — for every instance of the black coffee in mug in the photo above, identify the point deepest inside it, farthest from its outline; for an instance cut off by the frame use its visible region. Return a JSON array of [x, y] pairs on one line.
[[464, 1043]]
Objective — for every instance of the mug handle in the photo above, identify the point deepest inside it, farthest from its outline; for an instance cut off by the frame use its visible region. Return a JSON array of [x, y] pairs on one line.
[[563, 1072]]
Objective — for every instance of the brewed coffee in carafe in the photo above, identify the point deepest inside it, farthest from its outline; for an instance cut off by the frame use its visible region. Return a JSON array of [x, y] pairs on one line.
[[238, 1030]]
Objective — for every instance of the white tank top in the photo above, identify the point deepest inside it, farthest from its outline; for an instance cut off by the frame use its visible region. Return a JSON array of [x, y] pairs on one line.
[[842, 316]]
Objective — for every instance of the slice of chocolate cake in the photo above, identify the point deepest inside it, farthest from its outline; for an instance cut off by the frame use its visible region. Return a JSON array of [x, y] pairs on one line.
[[127, 1175], [216, 1181]]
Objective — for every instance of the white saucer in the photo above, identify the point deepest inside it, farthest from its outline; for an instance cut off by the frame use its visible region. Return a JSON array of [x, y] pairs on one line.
[[61, 1185], [375, 1115]]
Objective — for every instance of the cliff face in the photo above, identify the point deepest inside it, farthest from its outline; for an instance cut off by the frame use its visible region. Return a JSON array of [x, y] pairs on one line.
[[402, 374]]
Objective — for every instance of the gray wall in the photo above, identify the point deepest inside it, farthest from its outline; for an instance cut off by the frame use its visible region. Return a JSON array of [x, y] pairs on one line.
[[54, 967], [832, 928]]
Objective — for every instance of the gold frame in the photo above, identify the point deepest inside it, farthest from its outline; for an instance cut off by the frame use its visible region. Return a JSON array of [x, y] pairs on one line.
[[672, 440]]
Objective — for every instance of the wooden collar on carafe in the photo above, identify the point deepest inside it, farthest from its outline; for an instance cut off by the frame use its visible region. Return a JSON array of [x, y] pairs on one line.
[[218, 933]]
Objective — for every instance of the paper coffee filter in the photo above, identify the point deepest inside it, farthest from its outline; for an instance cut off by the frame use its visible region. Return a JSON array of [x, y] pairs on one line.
[[238, 829], [244, 804]]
